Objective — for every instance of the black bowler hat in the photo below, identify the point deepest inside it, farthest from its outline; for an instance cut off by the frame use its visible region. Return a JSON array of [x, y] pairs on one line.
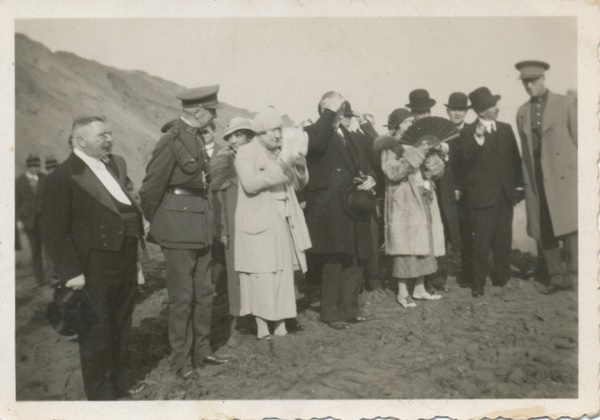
[[33, 161], [348, 110], [359, 204], [419, 100], [64, 310], [481, 99], [205, 96], [531, 69], [458, 100], [51, 162]]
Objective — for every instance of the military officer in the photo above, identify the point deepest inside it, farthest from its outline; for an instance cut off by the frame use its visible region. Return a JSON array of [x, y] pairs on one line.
[[174, 197]]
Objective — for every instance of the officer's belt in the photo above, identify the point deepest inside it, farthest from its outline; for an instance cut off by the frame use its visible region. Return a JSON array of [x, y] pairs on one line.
[[196, 192]]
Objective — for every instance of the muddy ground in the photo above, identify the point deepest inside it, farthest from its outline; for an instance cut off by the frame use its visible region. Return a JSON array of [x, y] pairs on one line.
[[512, 343]]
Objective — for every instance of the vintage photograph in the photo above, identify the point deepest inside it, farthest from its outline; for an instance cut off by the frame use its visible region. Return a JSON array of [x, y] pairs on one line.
[[298, 208]]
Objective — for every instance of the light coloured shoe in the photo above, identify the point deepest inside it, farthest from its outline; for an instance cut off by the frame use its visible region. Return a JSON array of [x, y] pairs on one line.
[[406, 302], [426, 296]]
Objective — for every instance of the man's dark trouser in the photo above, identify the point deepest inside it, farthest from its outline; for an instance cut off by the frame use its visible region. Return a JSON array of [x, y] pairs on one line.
[[35, 242], [492, 230], [372, 267], [190, 291], [107, 305], [342, 277], [466, 239]]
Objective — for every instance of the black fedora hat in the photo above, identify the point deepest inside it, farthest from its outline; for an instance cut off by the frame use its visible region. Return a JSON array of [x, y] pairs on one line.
[[64, 310], [348, 112], [458, 100], [359, 204], [481, 99], [419, 100]]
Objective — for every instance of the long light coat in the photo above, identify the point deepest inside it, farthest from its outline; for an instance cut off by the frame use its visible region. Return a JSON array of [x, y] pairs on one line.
[[559, 164], [406, 225], [260, 178]]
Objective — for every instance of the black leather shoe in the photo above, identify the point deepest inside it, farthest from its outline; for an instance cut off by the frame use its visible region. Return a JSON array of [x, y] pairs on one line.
[[338, 325], [187, 373], [138, 388], [476, 293], [213, 359], [552, 289], [362, 318]]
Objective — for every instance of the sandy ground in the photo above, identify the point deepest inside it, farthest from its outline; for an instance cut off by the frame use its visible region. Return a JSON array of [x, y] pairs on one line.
[[513, 343]]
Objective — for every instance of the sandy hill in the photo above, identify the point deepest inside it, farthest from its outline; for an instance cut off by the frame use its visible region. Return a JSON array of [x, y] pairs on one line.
[[53, 88]]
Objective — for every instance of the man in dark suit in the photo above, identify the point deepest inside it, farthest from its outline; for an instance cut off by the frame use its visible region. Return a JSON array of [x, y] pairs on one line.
[[28, 189], [175, 200], [492, 183], [341, 243], [92, 228], [454, 214]]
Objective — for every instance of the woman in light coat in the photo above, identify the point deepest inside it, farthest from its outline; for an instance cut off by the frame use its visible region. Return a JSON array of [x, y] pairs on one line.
[[224, 182], [414, 233], [270, 231]]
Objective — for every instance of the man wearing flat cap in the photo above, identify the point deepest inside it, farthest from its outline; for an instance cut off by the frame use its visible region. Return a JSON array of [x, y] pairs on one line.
[[491, 182], [175, 200], [28, 210], [547, 125]]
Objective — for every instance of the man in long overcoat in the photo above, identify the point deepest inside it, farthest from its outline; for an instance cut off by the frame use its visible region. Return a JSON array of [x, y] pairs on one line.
[[547, 125], [342, 244]]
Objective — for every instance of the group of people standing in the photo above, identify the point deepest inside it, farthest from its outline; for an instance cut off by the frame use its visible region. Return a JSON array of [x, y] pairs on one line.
[[282, 199]]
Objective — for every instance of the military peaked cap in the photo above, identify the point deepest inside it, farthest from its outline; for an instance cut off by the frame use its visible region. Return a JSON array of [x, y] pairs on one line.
[[531, 69], [205, 96]]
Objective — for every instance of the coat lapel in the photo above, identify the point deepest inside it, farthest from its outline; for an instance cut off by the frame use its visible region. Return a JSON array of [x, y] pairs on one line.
[[342, 149], [87, 180]]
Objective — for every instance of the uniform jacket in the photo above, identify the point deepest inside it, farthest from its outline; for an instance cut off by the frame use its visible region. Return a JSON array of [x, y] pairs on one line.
[[490, 170], [79, 214], [332, 166], [559, 164], [260, 178], [178, 160], [28, 203], [405, 211]]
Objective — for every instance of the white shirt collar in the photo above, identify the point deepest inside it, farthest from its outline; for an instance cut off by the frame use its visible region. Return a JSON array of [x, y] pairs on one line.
[[92, 162], [31, 176], [490, 125]]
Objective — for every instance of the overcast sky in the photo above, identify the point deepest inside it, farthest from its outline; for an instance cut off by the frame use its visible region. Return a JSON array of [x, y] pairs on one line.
[[290, 62]]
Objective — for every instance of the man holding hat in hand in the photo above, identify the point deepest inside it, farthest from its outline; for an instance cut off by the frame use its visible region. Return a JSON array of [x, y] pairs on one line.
[[175, 201], [547, 125], [342, 243], [491, 181]]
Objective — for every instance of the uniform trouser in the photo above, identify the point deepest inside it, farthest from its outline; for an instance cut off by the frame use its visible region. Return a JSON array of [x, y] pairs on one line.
[[106, 308], [190, 305], [35, 242], [492, 231], [342, 279]]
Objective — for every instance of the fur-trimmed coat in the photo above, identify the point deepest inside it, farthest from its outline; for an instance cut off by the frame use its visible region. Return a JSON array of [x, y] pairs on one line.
[[406, 225]]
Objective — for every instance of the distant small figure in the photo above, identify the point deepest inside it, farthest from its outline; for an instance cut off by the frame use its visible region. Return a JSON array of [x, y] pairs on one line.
[[28, 189]]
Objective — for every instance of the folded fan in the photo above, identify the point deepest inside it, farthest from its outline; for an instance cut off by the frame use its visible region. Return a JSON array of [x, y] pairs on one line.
[[433, 130]]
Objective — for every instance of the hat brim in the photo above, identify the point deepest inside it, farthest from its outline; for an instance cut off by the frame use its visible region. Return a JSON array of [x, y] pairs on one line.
[[458, 107], [490, 102], [430, 105]]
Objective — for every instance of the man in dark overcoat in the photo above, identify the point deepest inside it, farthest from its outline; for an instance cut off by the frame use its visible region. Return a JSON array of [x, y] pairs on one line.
[[342, 243], [547, 125], [175, 200], [92, 228], [492, 183]]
